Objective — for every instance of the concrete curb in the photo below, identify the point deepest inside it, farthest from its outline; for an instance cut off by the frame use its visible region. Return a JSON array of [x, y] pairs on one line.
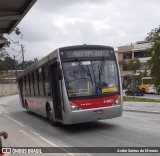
[[143, 107]]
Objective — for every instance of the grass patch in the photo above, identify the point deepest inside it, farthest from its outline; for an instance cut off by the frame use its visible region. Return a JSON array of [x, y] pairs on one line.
[[134, 99]]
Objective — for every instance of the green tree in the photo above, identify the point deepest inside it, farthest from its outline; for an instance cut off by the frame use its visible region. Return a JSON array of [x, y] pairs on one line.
[[132, 65], [3, 55], [9, 63], [5, 40], [5, 60], [17, 31], [154, 63], [27, 63]]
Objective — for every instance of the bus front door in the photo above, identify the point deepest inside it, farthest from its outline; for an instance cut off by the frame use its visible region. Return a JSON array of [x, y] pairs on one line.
[[56, 95]]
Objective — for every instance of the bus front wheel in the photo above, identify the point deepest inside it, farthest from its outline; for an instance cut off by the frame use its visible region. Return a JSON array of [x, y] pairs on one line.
[[50, 116]]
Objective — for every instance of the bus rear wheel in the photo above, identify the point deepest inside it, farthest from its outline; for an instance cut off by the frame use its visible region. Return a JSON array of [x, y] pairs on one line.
[[50, 116], [27, 108]]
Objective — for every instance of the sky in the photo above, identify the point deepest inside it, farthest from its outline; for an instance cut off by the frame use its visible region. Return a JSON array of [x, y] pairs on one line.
[[51, 24]]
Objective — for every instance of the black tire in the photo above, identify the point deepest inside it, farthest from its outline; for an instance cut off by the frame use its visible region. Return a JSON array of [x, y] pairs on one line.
[[50, 116], [27, 108], [143, 89]]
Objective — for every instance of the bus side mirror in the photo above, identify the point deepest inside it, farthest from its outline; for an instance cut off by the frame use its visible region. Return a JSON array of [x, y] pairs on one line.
[[59, 73]]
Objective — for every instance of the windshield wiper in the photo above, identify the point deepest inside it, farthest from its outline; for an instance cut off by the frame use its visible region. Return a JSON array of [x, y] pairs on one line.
[[100, 70], [87, 71]]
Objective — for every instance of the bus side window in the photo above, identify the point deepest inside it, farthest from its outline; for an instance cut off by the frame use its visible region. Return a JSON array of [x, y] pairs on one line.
[[46, 81], [36, 88], [32, 84], [24, 85], [145, 81], [27, 85], [29, 78], [41, 82]]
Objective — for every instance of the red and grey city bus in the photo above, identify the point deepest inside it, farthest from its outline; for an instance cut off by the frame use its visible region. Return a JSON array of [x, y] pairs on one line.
[[73, 84]]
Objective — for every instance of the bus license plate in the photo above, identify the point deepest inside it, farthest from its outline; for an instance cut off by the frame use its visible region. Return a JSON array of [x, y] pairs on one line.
[[98, 112]]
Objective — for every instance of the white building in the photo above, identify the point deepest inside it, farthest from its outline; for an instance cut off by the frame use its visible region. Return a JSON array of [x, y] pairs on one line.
[[137, 50]]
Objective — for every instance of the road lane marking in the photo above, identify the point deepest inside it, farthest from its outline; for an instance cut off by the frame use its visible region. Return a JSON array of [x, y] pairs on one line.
[[86, 154], [46, 140], [13, 120], [35, 140], [51, 143], [30, 130], [2, 103]]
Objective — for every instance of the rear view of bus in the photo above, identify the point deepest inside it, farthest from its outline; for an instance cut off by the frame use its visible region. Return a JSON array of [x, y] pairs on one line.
[[91, 86]]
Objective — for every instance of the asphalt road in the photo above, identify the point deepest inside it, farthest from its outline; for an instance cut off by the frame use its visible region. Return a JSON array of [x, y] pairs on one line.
[[131, 130]]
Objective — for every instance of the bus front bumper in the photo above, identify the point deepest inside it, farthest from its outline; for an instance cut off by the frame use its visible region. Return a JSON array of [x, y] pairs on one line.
[[89, 115]]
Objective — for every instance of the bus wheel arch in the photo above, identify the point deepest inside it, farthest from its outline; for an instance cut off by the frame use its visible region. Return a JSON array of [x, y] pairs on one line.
[[50, 115]]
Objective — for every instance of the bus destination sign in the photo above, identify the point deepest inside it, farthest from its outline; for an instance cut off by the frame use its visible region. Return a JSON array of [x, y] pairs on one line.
[[85, 53]]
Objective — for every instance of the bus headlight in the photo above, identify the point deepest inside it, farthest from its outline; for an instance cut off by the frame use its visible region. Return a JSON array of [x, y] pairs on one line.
[[117, 102], [74, 106]]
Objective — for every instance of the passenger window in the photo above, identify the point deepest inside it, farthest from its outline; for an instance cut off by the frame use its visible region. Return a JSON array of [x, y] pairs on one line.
[[46, 81], [36, 79], [41, 82]]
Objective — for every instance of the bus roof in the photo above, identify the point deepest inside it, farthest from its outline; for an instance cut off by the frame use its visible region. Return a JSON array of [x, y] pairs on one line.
[[51, 56], [37, 64], [85, 46], [146, 78]]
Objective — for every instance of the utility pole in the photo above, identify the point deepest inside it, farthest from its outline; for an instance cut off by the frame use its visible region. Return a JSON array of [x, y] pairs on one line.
[[22, 48], [15, 66]]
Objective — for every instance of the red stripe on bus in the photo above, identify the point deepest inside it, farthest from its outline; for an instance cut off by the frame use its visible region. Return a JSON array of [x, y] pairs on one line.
[[32, 104], [95, 102]]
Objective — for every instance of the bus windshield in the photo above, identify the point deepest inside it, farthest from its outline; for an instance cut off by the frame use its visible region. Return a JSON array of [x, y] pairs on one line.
[[87, 78], [147, 81]]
